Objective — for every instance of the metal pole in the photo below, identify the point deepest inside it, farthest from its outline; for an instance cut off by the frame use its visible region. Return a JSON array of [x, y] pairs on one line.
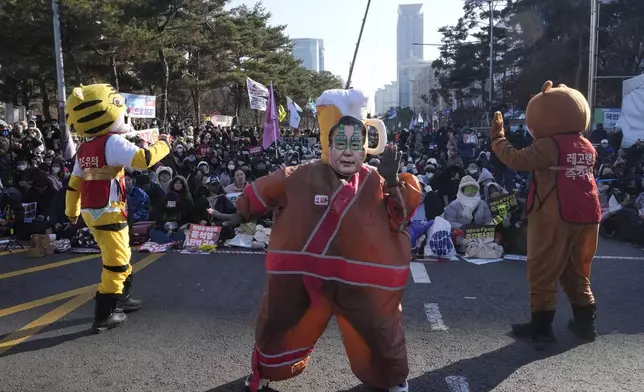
[[491, 51], [595, 59], [591, 56], [355, 53], [66, 139]]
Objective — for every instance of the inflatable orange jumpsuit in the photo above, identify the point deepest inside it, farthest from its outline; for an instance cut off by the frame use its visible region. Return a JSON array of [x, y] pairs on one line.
[[338, 247]]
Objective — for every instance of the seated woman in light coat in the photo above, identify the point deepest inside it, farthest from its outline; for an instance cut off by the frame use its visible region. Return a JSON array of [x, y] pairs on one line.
[[468, 208]]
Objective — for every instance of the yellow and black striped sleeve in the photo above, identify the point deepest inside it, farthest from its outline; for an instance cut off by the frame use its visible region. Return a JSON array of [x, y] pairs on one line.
[[121, 152], [148, 157], [73, 194]]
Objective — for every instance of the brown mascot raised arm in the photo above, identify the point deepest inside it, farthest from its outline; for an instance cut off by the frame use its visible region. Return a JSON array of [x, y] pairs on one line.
[[563, 208]]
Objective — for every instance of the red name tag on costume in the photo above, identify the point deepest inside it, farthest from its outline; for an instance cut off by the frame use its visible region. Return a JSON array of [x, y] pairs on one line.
[[321, 200]]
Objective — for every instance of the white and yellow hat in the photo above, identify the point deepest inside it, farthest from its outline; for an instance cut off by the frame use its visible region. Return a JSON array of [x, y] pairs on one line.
[[332, 105]]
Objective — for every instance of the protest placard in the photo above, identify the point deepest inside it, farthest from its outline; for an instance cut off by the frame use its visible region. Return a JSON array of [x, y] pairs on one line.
[[30, 211], [199, 235], [503, 204], [141, 106], [479, 232]]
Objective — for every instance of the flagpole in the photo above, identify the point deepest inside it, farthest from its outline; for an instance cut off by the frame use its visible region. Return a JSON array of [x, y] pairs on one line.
[[355, 53], [275, 120]]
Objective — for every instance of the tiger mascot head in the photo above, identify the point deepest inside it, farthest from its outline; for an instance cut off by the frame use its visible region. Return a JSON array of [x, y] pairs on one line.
[[96, 110]]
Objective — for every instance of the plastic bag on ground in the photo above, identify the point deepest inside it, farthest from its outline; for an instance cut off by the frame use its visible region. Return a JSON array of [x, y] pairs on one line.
[[439, 240]]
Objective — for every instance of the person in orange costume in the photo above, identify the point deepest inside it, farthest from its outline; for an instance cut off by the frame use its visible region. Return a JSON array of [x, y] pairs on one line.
[[563, 208], [339, 247]]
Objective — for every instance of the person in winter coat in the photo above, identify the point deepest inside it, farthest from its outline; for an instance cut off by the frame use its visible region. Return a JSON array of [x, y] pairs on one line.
[[58, 220], [164, 176], [153, 190], [213, 208], [179, 185], [197, 177], [468, 208], [239, 184], [467, 144], [485, 178], [170, 221], [138, 202], [454, 159]]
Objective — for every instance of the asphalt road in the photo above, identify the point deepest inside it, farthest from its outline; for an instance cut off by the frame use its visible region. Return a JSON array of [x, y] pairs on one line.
[[195, 333]]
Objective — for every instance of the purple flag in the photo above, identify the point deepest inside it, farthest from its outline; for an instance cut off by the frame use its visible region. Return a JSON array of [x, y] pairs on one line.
[[271, 125]]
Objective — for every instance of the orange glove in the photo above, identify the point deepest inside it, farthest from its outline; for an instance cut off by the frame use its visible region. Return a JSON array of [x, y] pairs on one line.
[[497, 131]]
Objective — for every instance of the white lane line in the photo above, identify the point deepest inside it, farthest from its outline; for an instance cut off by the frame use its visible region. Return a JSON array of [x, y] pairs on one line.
[[457, 384], [419, 273], [434, 317], [619, 257]]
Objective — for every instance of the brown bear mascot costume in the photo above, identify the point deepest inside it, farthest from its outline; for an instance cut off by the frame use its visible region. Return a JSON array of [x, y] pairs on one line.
[[562, 206]]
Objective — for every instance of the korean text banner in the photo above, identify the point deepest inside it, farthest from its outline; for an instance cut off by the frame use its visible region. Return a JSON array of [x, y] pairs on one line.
[[257, 94], [141, 106]]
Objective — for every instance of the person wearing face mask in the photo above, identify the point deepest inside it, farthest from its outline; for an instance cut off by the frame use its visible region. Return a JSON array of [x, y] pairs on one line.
[[21, 165], [196, 177], [57, 169], [170, 221], [249, 173], [54, 179], [172, 160], [604, 151], [228, 175], [338, 247], [473, 170], [22, 174], [214, 208], [468, 208], [41, 192], [164, 176]]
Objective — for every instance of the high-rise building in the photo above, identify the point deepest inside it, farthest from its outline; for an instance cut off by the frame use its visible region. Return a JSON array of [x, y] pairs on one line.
[[386, 98], [410, 32], [419, 80], [310, 51]]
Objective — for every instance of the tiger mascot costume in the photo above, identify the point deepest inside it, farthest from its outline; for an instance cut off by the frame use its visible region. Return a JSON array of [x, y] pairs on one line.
[[97, 191]]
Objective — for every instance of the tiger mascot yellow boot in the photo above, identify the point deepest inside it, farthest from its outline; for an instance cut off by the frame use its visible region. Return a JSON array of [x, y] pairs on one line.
[[96, 190]]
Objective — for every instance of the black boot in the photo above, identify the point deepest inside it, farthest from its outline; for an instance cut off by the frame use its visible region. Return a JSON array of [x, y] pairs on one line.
[[128, 304], [538, 329], [583, 323], [106, 316]]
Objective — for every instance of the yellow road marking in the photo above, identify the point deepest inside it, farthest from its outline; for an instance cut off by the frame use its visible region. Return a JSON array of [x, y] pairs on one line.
[[46, 300], [35, 326], [68, 294], [6, 252], [47, 266]]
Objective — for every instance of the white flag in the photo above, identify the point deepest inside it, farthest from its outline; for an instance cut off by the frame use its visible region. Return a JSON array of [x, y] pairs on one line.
[[289, 101], [257, 94], [294, 121]]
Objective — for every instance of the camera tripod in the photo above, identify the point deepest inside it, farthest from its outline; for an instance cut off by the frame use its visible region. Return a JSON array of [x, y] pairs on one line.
[[12, 243]]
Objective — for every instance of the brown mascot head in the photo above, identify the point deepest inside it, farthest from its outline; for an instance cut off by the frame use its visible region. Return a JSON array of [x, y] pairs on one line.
[[557, 110]]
